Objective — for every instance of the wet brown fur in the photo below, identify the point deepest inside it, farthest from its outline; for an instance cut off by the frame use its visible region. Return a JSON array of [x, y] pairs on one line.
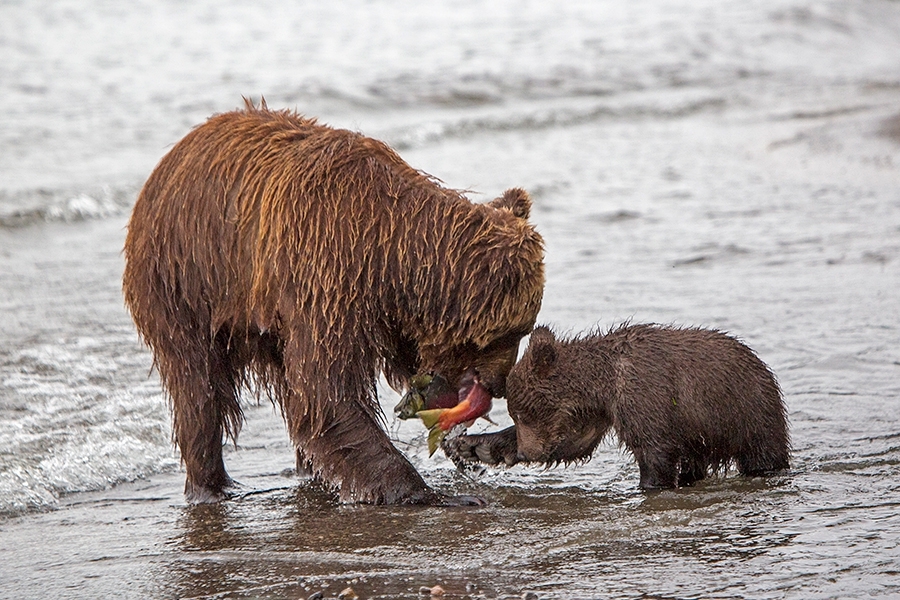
[[267, 250], [684, 401]]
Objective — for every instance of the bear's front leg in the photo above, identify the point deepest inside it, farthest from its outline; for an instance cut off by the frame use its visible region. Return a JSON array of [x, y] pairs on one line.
[[344, 447], [489, 448], [328, 400], [347, 450]]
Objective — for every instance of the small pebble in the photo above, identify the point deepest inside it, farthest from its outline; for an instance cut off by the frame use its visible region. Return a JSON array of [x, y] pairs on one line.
[[529, 596], [431, 591], [316, 596], [348, 594]]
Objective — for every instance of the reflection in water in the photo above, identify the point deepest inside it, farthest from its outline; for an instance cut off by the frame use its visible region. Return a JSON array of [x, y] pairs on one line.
[[206, 527], [300, 540], [581, 532], [561, 533], [297, 541]]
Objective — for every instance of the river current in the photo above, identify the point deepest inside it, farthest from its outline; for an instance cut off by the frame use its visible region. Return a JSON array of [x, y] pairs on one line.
[[724, 164]]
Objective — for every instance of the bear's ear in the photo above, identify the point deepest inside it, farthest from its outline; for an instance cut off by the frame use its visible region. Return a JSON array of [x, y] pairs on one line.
[[542, 348], [515, 200]]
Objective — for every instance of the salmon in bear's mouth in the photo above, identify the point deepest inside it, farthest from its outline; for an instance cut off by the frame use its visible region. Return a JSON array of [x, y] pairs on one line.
[[473, 401], [428, 392], [439, 406]]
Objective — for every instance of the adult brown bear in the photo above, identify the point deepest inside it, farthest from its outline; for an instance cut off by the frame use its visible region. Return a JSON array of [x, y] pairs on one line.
[[267, 249]]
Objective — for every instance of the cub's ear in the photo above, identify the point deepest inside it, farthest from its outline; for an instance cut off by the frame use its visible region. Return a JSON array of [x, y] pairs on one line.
[[542, 349], [515, 200]]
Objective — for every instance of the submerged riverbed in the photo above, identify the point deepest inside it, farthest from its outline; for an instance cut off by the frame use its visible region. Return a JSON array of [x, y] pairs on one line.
[[695, 163]]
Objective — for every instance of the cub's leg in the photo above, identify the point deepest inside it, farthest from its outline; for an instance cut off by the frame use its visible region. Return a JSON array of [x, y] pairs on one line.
[[488, 448], [763, 459], [659, 469], [691, 470]]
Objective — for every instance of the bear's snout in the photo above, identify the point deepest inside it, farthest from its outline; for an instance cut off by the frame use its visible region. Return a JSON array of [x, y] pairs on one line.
[[530, 445]]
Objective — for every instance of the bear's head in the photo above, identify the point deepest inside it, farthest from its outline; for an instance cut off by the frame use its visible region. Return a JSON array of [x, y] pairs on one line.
[[491, 285], [546, 398]]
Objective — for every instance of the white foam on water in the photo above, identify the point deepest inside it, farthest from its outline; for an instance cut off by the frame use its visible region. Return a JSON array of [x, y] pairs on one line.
[[29, 207], [67, 427]]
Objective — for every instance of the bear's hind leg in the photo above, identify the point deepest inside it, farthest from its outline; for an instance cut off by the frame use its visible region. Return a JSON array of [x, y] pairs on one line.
[[201, 382], [766, 450]]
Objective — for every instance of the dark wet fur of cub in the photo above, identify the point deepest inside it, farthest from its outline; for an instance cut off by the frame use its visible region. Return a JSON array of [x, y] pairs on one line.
[[684, 401]]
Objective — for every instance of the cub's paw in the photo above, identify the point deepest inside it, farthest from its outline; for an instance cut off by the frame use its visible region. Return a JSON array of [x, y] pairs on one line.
[[487, 448]]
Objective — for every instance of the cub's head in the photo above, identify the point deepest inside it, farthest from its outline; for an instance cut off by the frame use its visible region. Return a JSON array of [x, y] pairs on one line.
[[547, 404]]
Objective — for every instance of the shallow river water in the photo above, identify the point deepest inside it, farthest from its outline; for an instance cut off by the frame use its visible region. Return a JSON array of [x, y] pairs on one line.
[[726, 164]]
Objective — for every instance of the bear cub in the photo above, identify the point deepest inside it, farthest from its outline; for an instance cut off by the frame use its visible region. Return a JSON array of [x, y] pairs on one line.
[[683, 401]]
